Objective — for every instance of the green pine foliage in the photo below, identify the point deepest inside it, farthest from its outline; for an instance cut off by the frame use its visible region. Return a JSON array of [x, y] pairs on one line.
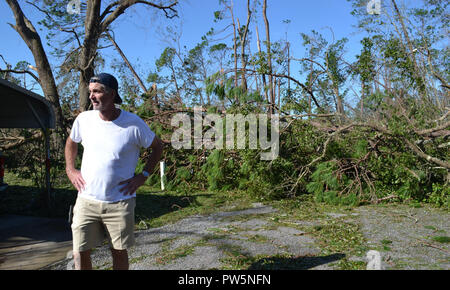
[[327, 186]]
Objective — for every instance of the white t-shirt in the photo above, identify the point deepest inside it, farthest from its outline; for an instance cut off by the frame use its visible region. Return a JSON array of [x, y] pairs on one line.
[[111, 152]]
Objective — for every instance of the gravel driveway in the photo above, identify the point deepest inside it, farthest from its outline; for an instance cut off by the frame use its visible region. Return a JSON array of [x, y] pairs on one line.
[[406, 238]]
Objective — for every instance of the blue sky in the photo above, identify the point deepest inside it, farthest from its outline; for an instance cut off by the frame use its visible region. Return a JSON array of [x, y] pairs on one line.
[[136, 33]]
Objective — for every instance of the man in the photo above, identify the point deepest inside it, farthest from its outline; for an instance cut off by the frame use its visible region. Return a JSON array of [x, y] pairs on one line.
[[106, 183]]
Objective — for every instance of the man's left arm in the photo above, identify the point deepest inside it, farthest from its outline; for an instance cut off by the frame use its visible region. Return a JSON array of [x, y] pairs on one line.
[[137, 181]]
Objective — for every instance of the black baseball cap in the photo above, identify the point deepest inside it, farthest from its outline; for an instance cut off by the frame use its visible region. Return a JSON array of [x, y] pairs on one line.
[[109, 81]]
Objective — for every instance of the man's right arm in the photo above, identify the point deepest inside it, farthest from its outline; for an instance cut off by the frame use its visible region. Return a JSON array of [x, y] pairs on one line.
[[73, 174]]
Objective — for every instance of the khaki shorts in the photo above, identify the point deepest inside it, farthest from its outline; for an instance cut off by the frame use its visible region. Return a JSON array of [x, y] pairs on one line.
[[93, 221]]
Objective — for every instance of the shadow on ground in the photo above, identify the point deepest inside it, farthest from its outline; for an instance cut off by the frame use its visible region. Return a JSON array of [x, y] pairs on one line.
[[26, 200], [150, 205], [297, 263], [29, 243]]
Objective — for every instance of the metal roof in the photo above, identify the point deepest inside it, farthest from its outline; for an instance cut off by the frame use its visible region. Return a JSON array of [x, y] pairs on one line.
[[21, 108]]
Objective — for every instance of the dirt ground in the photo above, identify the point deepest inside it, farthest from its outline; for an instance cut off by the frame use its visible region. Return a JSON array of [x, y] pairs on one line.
[[409, 238], [29, 242]]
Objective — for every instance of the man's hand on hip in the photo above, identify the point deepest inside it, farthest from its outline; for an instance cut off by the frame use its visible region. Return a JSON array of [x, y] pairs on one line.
[[132, 184], [76, 179]]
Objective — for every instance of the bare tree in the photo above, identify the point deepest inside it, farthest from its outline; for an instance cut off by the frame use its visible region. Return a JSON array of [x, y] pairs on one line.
[[243, 38], [263, 76], [269, 57]]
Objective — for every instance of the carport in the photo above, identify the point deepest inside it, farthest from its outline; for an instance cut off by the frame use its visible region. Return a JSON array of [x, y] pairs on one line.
[[21, 108]]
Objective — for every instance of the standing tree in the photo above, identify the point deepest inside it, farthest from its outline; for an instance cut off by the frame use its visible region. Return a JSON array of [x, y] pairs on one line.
[[269, 58], [31, 37], [82, 32], [243, 32], [96, 24]]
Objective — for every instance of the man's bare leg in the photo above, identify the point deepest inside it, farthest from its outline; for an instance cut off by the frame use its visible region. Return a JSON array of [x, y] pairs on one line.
[[82, 260], [120, 259]]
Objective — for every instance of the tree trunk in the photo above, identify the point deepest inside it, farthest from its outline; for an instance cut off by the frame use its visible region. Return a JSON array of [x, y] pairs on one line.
[[263, 76], [243, 42], [411, 54], [234, 45], [361, 101], [339, 104], [269, 57], [279, 93], [310, 83], [29, 34], [288, 46], [89, 51]]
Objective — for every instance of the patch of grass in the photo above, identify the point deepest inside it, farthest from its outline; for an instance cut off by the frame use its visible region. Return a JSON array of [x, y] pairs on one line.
[[302, 208], [430, 228], [441, 239], [415, 204], [179, 252], [218, 230], [256, 238], [352, 265], [138, 259], [385, 244], [317, 228], [235, 258], [167, 255], [14, 179], [339, 237], [336, 236], [435, 229]]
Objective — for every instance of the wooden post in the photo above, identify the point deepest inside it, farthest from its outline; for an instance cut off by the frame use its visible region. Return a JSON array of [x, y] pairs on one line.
[[48, 198], [3, 185]]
